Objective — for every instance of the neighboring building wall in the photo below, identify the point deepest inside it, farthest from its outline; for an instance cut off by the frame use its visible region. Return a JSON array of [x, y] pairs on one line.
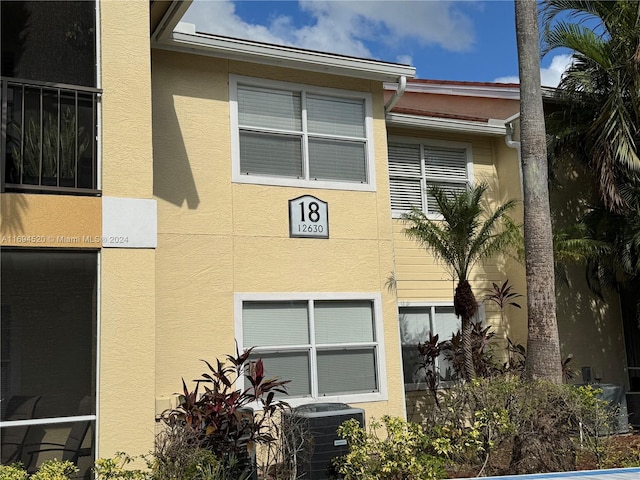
[[218, 238], [590, 327], [127, 299]]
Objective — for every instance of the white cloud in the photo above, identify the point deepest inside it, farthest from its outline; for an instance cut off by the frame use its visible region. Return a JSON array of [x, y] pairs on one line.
[[549, 76], [343, 27], [404, 59]]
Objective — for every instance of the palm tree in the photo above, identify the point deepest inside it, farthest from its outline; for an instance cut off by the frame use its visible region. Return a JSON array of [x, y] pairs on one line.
[[543, 344], [464, 236], [600, 92]]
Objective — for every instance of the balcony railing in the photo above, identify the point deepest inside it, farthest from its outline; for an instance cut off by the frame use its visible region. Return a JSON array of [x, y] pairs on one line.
[[49, 137]]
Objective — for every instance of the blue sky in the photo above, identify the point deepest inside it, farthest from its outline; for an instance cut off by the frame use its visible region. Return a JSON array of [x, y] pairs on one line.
[[443, 39]]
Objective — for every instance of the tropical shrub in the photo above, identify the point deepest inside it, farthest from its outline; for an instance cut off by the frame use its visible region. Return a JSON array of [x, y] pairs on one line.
[[403, 451], [539, 423], [220, 419]]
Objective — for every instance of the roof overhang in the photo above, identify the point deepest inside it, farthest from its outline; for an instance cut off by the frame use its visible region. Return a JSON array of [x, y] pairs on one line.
[[169, 34], [282, 56], [493, 127]]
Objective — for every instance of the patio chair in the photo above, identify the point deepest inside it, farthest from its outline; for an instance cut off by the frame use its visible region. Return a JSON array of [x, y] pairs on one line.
[[19, 407]]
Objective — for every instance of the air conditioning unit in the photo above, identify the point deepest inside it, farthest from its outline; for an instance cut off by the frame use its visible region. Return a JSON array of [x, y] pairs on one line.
[[313, 440]]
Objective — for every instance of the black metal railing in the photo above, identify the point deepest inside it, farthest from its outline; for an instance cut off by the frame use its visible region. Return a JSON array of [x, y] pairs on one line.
[[49, 137]]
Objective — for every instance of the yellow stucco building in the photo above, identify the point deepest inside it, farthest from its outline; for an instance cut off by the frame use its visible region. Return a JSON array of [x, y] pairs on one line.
[[177, 194]]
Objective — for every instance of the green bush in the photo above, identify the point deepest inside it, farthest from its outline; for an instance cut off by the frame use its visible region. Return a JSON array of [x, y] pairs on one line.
[[49, 470], [12, 472], [405, 451], [538, 424]]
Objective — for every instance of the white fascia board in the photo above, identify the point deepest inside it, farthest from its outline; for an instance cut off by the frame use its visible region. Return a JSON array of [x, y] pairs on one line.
[[485, 91], [282, 56], [492, 127], [171, 18]]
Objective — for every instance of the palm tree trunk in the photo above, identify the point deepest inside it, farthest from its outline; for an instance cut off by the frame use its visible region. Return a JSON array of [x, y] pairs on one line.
[[543, 345], [465, 307], [467, 352]]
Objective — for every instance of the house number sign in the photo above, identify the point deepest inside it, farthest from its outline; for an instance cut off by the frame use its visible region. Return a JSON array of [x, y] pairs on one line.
[[308, 217]]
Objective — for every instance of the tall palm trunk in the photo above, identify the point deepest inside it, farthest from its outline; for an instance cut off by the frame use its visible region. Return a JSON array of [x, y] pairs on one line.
[[543, 345], [465, 306]]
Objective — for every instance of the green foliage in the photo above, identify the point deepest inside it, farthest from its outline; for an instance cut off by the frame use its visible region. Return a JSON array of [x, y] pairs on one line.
[[13, 472], [114, 469], [404, 451], [467, 232], [221, 418], [55, 470], [539, 423]]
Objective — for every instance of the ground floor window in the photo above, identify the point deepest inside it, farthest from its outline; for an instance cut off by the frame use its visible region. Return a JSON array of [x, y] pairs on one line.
[[48, 334], [326, 347], [416, 323]]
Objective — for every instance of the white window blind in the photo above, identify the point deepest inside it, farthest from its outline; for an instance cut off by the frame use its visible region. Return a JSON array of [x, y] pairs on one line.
[[343, 341], [335, 116], [343, 321], [346, 371], [275, 323], [273, 109], [414, 167], [279, 155]]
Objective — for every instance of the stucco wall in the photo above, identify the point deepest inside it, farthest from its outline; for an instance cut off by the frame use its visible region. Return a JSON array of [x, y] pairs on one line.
[[217, 238], [127, 321], [50, 221]]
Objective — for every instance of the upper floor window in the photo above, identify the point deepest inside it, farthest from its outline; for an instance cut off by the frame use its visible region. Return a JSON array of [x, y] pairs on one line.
[[326, 346], [416, 165], [297, 135]]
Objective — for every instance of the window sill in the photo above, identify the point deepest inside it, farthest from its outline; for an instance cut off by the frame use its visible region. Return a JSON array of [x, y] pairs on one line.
[[299, 183]]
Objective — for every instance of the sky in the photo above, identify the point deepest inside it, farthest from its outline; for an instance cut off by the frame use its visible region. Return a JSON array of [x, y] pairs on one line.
[[443, 39]]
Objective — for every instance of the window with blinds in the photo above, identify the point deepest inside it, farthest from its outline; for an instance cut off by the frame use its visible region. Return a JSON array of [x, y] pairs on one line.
[[415, 325], [414, 167], [309, 341], [303, 134]]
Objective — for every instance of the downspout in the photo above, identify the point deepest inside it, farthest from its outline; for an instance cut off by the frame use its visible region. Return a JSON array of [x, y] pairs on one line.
[[511, 143], [402, 86]]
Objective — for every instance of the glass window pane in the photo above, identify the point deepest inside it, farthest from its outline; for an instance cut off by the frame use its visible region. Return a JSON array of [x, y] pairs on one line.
[[293, 366], [335, 116], [343, 321], [48, 326], [264, 154], [269, 109], [446, 324], [274, 323], [414, 329], [347, 371], [337, 160], [446, 163]]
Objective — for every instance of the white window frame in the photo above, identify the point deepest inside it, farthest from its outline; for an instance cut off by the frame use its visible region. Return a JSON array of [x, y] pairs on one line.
[[378, 343], [424, 142], [238, 177], [432, 306]]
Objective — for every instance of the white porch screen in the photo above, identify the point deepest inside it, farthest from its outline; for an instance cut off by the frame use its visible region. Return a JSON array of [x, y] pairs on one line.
[[414, 167], [302, 135], [324, 347]]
